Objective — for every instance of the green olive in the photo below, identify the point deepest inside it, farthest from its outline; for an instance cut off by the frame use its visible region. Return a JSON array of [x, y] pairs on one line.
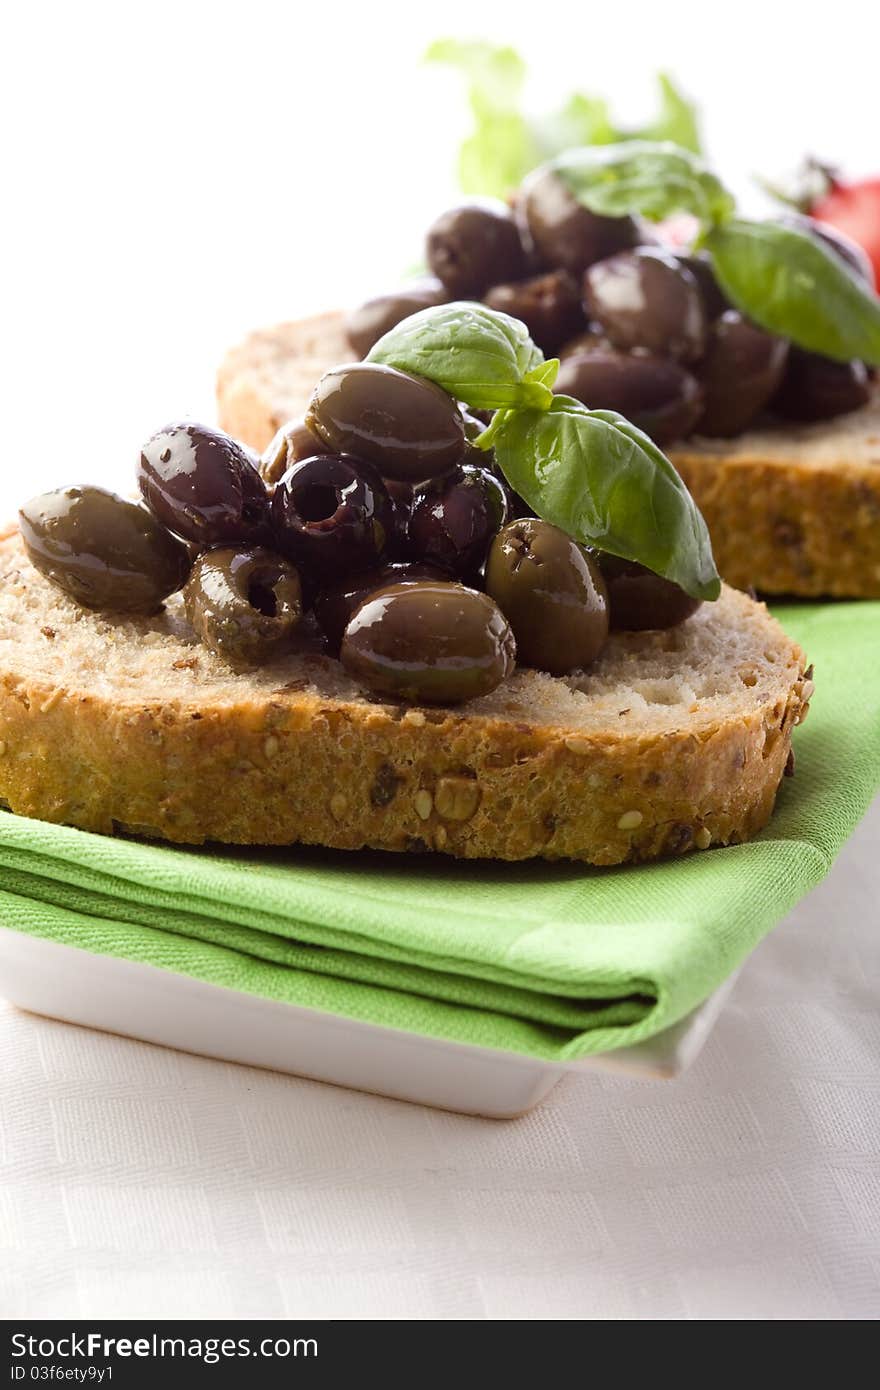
[[552, 593], [404, 425], [105, 552], [429, 642], [244, 604]]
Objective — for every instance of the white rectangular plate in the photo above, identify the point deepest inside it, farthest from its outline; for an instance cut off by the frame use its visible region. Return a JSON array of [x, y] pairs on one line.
[[157, 1006]]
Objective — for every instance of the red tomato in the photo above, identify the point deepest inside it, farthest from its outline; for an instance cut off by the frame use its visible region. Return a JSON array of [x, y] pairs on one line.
[[854, 208]]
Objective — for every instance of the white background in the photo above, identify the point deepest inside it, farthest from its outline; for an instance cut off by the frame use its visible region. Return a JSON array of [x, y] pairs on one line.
[[175, 174]]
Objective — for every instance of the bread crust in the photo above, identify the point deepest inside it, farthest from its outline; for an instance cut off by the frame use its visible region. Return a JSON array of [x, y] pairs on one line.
[[188, 752], [791, 511]]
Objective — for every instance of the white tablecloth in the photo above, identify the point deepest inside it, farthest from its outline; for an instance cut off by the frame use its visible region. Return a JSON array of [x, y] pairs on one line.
[[139, 1182]]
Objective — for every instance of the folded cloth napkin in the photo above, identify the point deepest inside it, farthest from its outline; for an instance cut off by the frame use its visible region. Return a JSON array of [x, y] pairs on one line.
[[551, 960]]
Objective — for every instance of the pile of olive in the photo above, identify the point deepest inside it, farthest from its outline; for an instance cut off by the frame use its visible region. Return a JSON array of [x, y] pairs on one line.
[[373, 523], [641, 328]]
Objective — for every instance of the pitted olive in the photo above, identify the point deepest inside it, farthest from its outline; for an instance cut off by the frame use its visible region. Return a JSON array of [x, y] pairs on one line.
[[245, 605], [332, 515], [102, 550]]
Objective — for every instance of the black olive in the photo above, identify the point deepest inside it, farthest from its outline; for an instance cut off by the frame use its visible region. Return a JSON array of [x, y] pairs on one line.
[[648, 299], [203, 485], [658, 395]]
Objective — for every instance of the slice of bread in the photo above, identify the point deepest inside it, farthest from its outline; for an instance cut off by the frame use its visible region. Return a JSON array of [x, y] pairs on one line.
[[792, 510], [672, 741]]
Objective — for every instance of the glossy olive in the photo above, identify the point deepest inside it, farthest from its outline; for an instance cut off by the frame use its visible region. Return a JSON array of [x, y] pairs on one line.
[[332, 515], [699, 264], [474, 246], [203, 485], [660, 396], [401, 494], [366, 325], [454, 518], [552, 593], [565, 234], [741, 371], [292, 443], [549, 305], [104, 551], [335, 606], [639, 600], [429, 642], [404, 425], [244, 605], [850, 252], [647, 299], [591, 340], [817, 388]]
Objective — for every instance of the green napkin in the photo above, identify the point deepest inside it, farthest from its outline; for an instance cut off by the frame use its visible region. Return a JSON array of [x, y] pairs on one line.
[[551, 960]]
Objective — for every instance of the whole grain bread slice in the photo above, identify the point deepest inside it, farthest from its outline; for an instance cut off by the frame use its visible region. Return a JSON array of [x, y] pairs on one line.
[[672, 741], [792, 510]]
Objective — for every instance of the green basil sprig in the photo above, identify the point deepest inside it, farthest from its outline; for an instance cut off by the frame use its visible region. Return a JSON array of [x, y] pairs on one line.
[[651, 179], [791, 284], [589, 472], [604, 482], [478, 355], [782, 279]]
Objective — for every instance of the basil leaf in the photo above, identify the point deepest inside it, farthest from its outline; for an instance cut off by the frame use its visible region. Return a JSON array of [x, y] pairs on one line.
[[478, 355], [501, 149], [791, 285], [677, 120], [653, 179], [603, 481]]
